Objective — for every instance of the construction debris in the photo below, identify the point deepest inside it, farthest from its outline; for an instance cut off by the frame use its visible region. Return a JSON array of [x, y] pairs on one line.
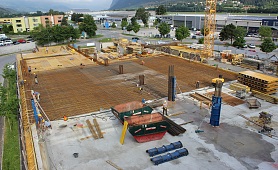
[[92, 129], [253, 103], [114, 165]]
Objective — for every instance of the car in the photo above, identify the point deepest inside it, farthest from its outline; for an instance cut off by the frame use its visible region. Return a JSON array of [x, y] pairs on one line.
[[16, 42], [29, 40], [252, 50], [21, 41], [251, 46], [8, 42], [1, 43]]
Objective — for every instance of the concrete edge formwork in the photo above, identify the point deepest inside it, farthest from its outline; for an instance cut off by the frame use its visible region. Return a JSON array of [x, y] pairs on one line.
[[29, 155]]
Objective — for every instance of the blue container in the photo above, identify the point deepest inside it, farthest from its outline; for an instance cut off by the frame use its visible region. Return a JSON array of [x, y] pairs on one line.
[[169, 156], [174, 88]]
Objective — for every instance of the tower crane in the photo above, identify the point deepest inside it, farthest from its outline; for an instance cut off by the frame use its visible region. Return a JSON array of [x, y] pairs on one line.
[[209, 28]]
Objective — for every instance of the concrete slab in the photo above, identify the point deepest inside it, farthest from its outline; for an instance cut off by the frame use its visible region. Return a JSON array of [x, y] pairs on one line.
[[232, 145]]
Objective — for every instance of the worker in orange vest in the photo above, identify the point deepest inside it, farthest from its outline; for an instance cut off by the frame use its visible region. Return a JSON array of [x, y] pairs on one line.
[[65, 118]]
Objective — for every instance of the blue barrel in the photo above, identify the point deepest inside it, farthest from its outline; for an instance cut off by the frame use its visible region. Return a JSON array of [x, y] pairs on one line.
[[157, 160], [152, 151], [175, 155], [161, 149], [166, 157], [177, 144], [183, 152]]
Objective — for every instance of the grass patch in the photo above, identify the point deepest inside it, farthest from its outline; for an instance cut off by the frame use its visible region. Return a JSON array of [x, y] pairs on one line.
[[128, 34], [97, 36], [106, 40], [9, 108], [11, 156]]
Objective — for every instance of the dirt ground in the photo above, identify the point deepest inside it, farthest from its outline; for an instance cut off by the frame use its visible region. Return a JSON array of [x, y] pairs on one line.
[[77, 90]]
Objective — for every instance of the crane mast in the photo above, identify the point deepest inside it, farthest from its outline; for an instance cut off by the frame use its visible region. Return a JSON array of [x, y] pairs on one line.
[[209, 28]]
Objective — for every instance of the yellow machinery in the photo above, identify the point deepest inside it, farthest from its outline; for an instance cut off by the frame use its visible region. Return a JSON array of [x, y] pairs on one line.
[[213, 81], [209, 28]]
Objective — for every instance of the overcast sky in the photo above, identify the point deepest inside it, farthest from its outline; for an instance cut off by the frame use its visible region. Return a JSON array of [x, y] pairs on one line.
[[72, 4]]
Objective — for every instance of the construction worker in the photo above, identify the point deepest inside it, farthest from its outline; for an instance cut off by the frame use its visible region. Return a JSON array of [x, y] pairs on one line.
[[165, 105], [29, 69], [140, 90], [65, 118], [47, 124], [36, 79], [37, 95], [197, 84]]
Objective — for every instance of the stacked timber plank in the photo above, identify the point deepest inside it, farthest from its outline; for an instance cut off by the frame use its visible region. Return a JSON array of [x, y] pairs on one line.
[[239, 87], [266, 97], [260, 82]]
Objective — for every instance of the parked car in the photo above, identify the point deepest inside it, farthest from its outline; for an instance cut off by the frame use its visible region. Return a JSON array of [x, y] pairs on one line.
[[21, 41], [8, 42], [252, 50], [1, 43], [251, 46], [16, 42], [29, 40]]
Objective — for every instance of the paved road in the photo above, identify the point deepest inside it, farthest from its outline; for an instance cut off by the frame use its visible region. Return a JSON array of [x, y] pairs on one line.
[[7, 59]]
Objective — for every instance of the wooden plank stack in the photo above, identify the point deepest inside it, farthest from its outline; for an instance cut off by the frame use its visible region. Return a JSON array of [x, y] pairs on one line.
[[239, 87], [260, 82], [266, 97]]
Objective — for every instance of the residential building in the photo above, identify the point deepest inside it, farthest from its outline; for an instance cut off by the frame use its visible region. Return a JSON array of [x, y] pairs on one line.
[[51, 20], [19, 24], [34, 22], [5, 21]]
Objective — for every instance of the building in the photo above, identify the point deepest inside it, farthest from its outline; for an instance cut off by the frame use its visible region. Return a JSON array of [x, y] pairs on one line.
[[196, 21], [5, 21], [19, 24], [33, 22], [273, 24], [51, 20]]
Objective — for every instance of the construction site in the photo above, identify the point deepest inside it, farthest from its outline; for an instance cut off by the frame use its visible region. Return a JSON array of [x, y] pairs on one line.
[[90, 100]]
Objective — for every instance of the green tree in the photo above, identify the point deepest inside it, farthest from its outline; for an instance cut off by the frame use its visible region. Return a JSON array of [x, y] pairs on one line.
[[135, 27], [5, 29], [64, 22], [201, 40], [181, 33], [265, 32], [228, 32], [157, 21], [88, 25], [11, 28], [240, 32], [239, 42], [124, 23], [164, 28], [113, 25], [268, 45], [133, 20], [129, 28], [142, 14], [161, 10]]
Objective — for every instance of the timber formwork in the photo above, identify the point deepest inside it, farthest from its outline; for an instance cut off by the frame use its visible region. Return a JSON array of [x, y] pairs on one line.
[[260, 82], [26, 115], [78, 90]]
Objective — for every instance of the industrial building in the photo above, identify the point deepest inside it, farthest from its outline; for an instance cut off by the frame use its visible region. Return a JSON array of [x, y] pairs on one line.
[[76, 91]]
